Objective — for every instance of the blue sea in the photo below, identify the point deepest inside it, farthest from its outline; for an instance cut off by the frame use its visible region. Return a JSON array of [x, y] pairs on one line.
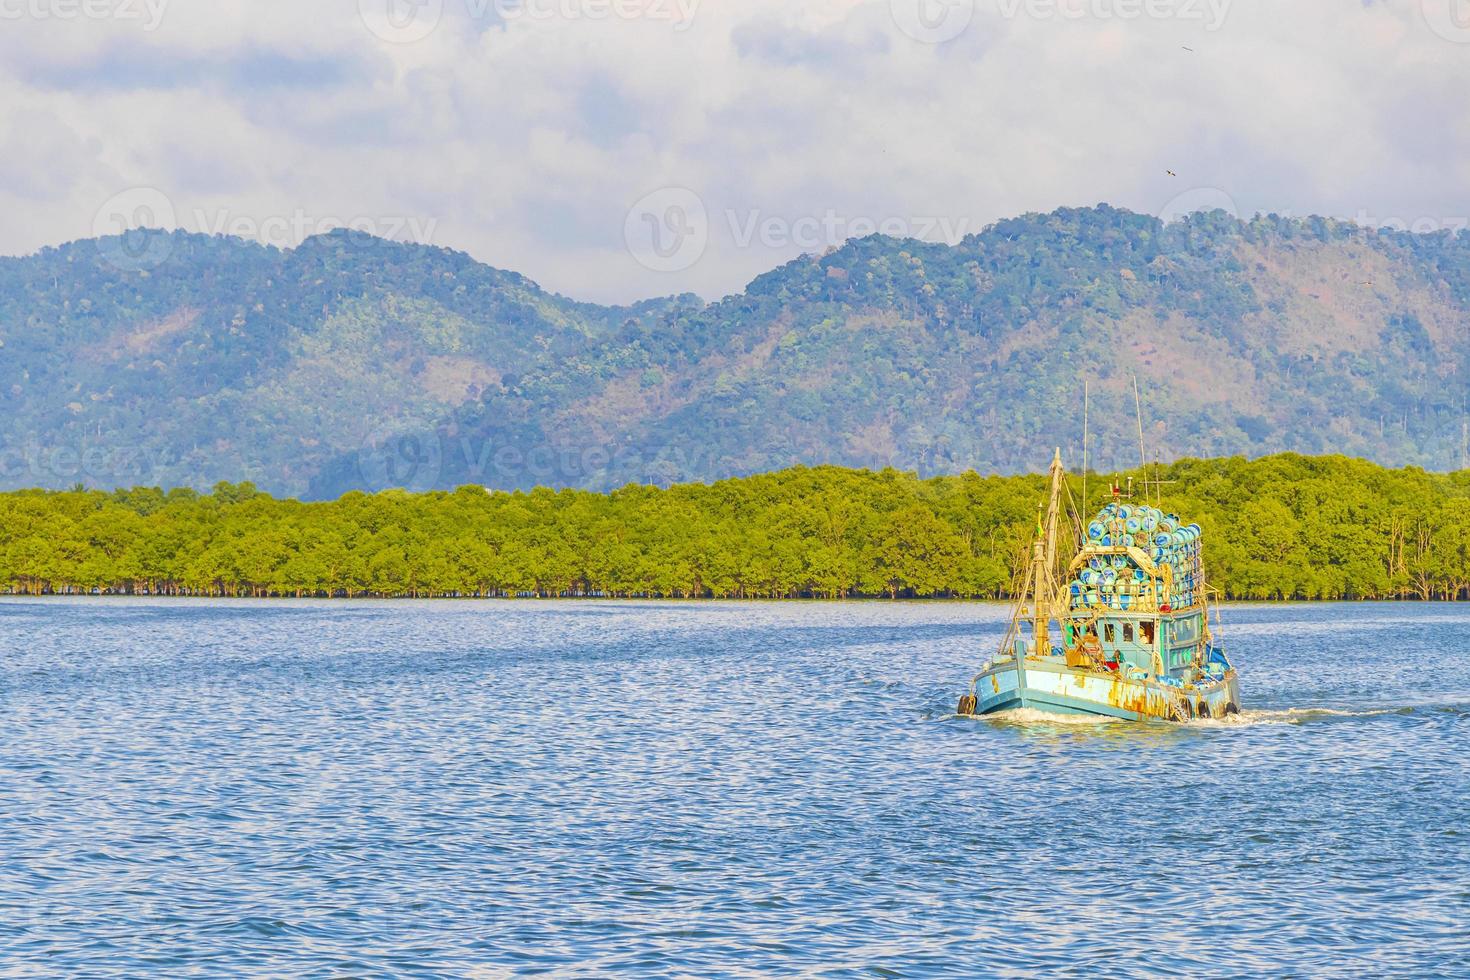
[[477, 789]]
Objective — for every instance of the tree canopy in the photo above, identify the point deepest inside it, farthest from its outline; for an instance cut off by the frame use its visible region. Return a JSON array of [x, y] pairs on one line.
[[1281, 527]]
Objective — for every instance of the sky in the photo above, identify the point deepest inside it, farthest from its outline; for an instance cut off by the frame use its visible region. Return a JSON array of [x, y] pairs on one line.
[[614, 150]]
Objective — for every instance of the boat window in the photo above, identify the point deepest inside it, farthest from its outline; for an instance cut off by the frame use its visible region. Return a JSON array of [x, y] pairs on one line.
[[1147, 629], [1127, 632], [1108, 632]]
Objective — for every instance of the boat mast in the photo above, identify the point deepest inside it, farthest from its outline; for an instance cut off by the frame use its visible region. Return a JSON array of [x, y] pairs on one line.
[[1045, 559]]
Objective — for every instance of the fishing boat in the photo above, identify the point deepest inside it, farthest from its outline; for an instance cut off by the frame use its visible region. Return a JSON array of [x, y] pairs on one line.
[[1126, 593]]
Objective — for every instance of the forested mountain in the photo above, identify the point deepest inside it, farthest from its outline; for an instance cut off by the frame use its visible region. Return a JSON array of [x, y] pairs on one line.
[[351, 362], [175, 359]]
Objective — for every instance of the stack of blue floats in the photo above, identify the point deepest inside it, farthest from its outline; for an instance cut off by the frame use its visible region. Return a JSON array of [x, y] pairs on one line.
[[1114, 581]]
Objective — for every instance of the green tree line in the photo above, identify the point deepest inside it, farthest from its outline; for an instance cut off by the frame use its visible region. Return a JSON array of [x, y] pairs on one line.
[[1282, 527]]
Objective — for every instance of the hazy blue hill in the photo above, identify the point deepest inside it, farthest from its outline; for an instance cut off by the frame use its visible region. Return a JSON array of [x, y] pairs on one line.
[[213, 358], [183, 358], [1247, 337]]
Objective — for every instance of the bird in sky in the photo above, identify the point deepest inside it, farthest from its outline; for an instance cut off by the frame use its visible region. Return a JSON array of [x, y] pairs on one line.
[[1187, 48], [1171, 173]]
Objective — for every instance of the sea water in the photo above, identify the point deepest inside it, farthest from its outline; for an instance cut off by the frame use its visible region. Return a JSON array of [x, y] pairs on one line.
[[480, 788]]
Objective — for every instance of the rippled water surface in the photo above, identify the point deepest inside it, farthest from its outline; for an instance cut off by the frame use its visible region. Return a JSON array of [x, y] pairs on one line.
[[313, 789]]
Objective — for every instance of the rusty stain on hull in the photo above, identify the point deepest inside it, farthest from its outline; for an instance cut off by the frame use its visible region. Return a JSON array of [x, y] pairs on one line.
[[1052, 685]]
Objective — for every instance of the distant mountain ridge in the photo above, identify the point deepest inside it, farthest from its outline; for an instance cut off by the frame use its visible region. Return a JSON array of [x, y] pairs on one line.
[[229, 360], [356, 363]]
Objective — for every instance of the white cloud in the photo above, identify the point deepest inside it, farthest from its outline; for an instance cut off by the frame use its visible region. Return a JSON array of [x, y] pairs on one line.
[[524, 135]]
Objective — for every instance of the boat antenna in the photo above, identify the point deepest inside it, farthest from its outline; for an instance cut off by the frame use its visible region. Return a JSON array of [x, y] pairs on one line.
[[1138, 408], [1085, 394], [1142, 452]]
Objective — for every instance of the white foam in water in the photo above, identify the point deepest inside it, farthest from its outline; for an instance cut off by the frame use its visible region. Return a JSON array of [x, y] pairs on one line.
[[1288, 716], [1034, 716]]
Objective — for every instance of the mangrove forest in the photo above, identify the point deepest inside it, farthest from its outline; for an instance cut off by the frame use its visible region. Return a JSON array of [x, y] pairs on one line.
[[1281, 527]]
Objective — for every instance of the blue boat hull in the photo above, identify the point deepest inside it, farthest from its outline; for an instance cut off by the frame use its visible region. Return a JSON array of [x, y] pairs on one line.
[[1051, 686]]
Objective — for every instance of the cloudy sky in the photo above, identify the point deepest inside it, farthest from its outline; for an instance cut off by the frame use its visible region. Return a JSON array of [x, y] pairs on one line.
[[616, 149]]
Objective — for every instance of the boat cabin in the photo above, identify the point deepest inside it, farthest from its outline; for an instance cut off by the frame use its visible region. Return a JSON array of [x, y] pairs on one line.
[[1133, 598]]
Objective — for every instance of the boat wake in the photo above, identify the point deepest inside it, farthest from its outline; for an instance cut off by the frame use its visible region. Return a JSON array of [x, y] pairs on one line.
[[1245, 719], [1292, 716]]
